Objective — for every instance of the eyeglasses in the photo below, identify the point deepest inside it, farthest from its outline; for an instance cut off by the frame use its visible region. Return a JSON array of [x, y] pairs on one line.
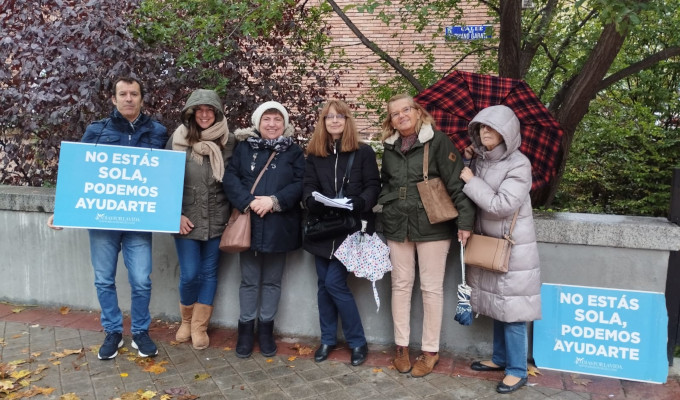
[[340, 117], [404, 110]]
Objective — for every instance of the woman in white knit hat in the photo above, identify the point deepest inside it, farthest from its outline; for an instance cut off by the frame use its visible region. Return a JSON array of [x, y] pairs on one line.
[[275, 218]]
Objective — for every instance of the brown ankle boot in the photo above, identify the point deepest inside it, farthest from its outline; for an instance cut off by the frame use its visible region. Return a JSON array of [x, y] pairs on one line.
[[199, 325], [424, 364], [401, 361], [184, 332]]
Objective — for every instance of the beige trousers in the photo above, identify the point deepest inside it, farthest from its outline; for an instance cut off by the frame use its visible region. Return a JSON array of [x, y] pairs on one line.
[[431, 265]]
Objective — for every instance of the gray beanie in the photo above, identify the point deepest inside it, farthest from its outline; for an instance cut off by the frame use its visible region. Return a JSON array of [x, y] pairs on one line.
[[203, 97], [257, 115]]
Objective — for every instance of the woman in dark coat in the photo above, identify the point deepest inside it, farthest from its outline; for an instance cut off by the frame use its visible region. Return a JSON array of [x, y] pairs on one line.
[[205, 138], [335, 139], [275, 218]]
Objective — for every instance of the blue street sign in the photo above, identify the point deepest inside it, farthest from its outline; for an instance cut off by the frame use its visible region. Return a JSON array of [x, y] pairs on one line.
[[469, 32], [119, 188]]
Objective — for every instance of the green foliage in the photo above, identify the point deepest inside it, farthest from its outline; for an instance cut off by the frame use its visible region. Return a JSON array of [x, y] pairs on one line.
[[60, 57], [621, 162]]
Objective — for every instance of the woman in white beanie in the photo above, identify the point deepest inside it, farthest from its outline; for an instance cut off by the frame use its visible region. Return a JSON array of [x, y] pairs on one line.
[[275, 218], [205, 138]]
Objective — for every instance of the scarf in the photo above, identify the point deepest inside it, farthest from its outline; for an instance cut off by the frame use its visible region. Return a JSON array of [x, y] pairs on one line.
[[205, 146], [407, 142], [279, 145]]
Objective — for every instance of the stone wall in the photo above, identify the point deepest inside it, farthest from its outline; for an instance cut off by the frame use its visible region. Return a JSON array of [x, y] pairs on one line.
[[52, 268]]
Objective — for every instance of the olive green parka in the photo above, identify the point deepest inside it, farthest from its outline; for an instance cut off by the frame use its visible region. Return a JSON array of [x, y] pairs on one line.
[[403, 215]]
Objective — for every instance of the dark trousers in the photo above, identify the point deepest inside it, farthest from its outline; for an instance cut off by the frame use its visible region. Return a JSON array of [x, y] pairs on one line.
[[335, 299]]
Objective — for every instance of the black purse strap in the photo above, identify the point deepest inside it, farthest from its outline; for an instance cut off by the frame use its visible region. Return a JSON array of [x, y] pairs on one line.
[[348, 172]]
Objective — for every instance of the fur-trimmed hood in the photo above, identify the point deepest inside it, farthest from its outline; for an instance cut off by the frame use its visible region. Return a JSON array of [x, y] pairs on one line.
[[425, 134]]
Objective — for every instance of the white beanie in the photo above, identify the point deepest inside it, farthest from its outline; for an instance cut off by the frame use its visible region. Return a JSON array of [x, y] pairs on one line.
[[257, 115]]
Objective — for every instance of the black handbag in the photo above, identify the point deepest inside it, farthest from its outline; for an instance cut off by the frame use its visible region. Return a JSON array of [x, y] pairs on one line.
[[331, 224], [334, 222]]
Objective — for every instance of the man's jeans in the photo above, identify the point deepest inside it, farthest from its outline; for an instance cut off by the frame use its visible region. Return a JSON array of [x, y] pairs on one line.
[[198, 263], [136, 246], [510, 347]]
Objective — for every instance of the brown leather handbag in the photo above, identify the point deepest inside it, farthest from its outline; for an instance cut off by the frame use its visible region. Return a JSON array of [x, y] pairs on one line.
[[490, 253], [236, 235], [434, 196]]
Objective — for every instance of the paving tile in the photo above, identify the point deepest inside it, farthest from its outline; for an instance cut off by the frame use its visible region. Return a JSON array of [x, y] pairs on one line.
[[34, 334]]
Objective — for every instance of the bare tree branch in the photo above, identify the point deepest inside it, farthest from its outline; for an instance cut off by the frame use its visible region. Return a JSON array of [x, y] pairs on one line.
[[377, 50], [639, 66], [537, 36]]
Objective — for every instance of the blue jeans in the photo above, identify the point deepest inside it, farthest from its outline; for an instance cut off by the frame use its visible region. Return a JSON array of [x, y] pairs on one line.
[[136, 246], [260, 288], [510, 347], [335, 298], [198, 263]]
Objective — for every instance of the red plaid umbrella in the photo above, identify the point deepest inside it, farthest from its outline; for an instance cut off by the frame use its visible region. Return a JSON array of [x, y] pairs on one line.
[[457, 98]]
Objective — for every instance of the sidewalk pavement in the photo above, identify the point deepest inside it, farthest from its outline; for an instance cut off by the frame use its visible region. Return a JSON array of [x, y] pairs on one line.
[[54, 353]]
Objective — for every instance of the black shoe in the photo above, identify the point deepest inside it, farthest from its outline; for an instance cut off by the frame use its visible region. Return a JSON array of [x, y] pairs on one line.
[[265, 336], [478, 366], [321, 354], [112, 342], [503, 388], [144, 345], [359, 355], [246, 339]]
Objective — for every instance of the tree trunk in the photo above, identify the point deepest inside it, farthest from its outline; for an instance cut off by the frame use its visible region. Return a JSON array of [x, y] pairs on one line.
[[509, 47], [576, 100]]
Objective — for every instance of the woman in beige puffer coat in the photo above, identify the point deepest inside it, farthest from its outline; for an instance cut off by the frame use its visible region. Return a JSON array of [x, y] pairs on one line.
[[500, 186]]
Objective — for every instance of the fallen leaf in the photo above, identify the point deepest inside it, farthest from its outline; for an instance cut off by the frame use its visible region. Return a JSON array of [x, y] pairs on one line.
[[17, 336], [177, 391], [174, 343], [166, 397], [56, 362], [64, 310], [392, 367], [302, 350], [227, 348], [292, 358], [148, 394], [66, 352], [6, 384], [200, 377], [124, 374], [580, 381], [69, 396], [269, 360], [20, 374], [36, 354], [533, 371], [17, 310], [156, 368], [2, 341], [376, 370], [18, 362], [41, 368]]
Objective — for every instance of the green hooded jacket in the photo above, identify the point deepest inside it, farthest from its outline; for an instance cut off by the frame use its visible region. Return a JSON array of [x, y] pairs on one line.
[[403, 215]]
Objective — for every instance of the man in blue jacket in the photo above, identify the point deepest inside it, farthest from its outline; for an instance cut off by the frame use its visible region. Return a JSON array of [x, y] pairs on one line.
[[126, 126]]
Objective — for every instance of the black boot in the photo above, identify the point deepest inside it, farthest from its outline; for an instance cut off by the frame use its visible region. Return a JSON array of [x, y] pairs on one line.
[[246, 339], [265, 336]]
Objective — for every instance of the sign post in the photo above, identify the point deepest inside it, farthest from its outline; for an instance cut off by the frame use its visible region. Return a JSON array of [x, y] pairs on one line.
[[119, 188], [605, 332]]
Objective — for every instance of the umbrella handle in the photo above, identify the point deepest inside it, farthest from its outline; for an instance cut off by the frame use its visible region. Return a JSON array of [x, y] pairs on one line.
[[462, 261]]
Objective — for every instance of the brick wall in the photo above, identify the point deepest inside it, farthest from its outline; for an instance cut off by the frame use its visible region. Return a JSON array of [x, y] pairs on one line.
[[399, 44]]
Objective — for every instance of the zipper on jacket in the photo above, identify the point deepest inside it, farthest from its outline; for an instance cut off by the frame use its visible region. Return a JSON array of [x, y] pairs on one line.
[[335, 171]]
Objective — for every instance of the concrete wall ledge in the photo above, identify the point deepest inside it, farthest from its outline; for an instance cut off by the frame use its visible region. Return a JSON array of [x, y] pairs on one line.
[[622, 231]]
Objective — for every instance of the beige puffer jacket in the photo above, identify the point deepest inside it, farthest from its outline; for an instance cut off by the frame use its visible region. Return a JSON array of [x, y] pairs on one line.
[[500, 186]]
